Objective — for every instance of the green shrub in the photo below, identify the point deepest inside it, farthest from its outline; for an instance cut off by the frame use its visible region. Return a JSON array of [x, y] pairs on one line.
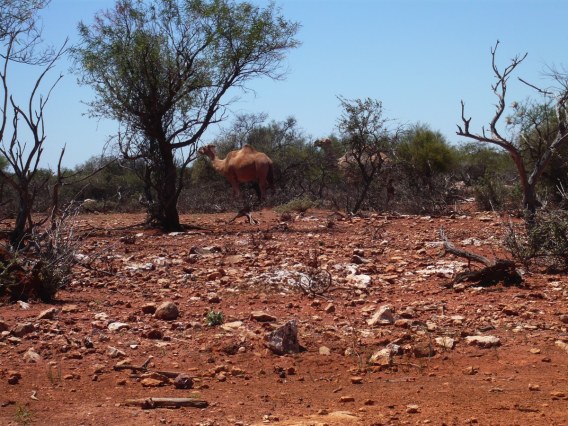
[[426, 152], [299, 205], [492, 194], [543, 242], [23, 415], [214, 318]]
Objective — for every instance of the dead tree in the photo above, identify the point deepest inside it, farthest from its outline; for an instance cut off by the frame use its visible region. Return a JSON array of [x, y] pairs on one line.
[[557, 98], [494, 272], [20, 36]]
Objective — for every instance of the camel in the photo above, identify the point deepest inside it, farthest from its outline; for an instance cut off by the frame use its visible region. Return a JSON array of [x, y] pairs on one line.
[[358, 170], [347, 164], [242, 166]]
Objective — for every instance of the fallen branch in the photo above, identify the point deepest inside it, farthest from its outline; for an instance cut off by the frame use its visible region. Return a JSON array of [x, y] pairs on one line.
[[153, 402], [144, 368], [499, 270]]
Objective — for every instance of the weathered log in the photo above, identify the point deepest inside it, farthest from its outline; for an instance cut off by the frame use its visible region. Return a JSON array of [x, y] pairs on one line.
[[153, 402], [499, 270], [144, 368], [133, 368]]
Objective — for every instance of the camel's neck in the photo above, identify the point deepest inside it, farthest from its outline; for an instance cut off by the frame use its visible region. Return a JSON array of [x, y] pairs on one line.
[[218, 164]]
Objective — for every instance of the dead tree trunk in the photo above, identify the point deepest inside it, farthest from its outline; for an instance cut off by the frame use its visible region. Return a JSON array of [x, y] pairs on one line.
[[548, 145], [494, 272]]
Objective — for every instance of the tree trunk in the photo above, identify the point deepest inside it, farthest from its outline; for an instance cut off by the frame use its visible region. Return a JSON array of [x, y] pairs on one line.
[[18, 233], [168, 196], [530, 204], [367, 181], [362, 197]]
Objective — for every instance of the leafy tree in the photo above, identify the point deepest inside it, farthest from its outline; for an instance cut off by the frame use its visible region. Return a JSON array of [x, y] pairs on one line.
[[164, 68], [536, 125], [22, 126], [476, 162], [425, 153], [546, 143], [366, 137], [327, 179]]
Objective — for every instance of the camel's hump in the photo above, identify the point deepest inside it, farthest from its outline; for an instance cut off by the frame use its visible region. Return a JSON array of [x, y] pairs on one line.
[[247, 147]]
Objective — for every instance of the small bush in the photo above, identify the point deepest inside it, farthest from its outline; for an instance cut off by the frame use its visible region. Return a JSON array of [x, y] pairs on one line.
[[214, 318], [545, 241], [299, 205], [23, 415], [492, 194], [44, 266]]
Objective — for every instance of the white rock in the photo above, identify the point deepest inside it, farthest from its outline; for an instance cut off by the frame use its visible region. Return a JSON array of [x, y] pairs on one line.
[[48, 314], [445, 342], [483, 341], [116, 326], [31, 356], [360, 281], [229, 326], [561, 345], [24, 305], [384, 356], [115, 353], [384, 316]]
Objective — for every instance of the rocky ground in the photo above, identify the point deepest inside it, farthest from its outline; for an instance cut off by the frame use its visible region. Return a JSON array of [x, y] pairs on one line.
[[381, 338]]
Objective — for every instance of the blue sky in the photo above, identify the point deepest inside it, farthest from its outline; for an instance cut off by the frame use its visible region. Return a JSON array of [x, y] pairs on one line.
[[419, 57]]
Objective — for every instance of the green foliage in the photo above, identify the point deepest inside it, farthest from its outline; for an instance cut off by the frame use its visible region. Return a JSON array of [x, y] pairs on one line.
[[163, 67], [490, 173], [477, 162], [23, 415], [214, 318], [490, 194], [537, 127], [544, 242], [299, 205], [426, 152], [114, 184], [366, 137]]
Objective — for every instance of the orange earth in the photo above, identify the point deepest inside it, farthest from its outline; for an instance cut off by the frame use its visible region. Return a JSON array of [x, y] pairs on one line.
[[421, 365]]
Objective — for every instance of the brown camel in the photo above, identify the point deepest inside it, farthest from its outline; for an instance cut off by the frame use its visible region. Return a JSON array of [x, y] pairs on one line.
[[242, 166], [347, 164]]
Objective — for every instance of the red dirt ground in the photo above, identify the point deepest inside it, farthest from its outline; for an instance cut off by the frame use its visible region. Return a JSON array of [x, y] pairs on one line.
[[238, 269]]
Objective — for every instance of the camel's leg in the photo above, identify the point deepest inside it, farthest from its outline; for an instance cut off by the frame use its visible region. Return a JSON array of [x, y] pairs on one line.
[[261, 190], [251, 220], [262, 179], [236, 191]]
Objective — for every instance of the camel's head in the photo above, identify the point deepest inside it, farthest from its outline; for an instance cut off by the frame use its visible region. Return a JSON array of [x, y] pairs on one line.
[[208, 150], [323, 143]]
